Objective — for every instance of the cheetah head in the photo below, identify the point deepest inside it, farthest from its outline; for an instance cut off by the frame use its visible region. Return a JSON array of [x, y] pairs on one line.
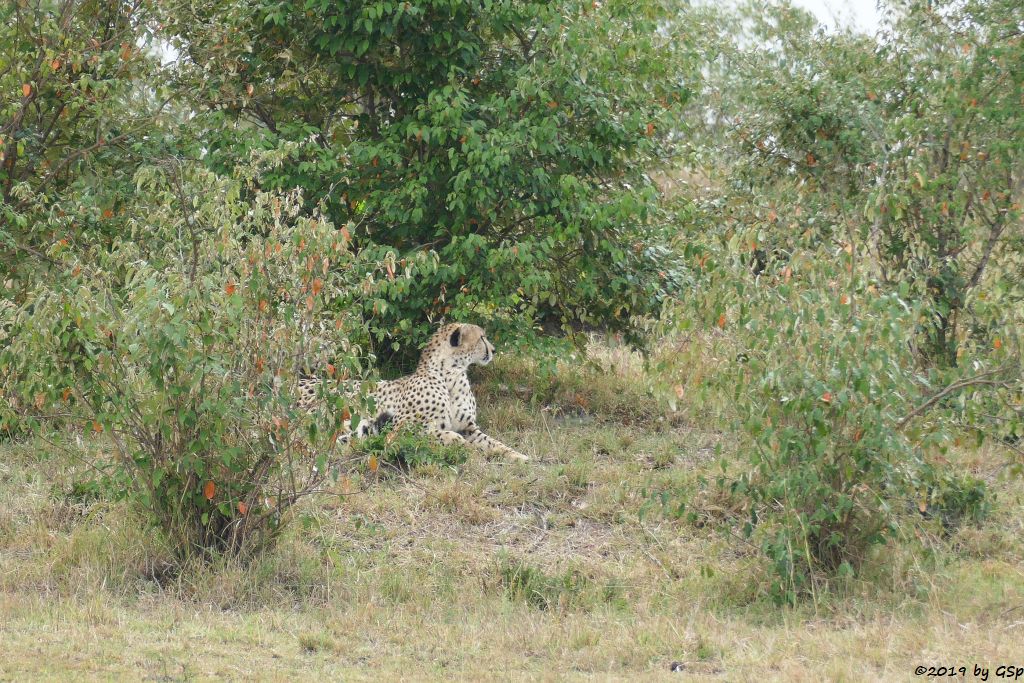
[[463, 344]]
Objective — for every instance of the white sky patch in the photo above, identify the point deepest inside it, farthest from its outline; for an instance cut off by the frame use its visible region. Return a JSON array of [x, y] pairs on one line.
[[862, 15]]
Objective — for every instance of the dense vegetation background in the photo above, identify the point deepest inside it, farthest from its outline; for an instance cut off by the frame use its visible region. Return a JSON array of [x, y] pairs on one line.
[[814, 237]]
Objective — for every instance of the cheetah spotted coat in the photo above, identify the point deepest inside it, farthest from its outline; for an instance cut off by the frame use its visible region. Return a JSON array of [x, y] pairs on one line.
[[437, 396]]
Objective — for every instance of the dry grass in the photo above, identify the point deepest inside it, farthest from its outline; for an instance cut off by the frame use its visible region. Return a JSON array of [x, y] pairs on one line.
[[537, 571]]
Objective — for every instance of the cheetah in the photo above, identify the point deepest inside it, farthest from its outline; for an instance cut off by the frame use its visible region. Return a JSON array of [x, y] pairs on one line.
[[437, 396]]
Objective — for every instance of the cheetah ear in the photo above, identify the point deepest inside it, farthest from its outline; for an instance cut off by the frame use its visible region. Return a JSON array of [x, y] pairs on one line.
[[456, 335]]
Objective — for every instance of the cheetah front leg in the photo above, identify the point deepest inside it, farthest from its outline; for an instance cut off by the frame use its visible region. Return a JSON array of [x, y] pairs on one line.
[[448, 437], [481, 441], [437, 429]]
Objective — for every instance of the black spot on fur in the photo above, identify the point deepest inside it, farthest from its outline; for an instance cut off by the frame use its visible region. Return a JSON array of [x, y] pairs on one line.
[[454, 339]]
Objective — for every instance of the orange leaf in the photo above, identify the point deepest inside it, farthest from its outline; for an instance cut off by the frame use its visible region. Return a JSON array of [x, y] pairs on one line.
[[67, 392], [243, 508], [857, 437], [55, 64], [262, 305], [26, 89], [872, 96], [650, 129], [330, 370], [345, 235], [844, 299], [826, 397], [998, 343], [721, 322], [309, 303], [391, 270], [346, 414], [97, 427], [772, 215], [552, 105], [811, 161], [318, 284], [230, 287], [787, 273], [374, 463], [209, 490], [108, 213]]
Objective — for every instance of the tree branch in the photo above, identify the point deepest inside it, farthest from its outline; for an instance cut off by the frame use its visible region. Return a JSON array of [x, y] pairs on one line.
[[981, 378]]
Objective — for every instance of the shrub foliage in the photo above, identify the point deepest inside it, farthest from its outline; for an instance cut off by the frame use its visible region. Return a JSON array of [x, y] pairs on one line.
[[185, 348], [511, 138], [849, 265]]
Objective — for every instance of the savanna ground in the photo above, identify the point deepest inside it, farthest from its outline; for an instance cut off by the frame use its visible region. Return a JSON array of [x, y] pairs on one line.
[[497, 570]]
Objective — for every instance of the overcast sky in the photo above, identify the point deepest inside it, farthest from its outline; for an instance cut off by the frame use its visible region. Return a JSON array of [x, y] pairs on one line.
[[860, 14]]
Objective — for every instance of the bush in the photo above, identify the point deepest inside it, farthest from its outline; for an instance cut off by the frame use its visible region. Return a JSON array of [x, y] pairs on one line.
[[835, 411], [82, 103], [818, 398], [184, 345], [513, 139], [408, 447], [955, 499], [857, 275], [910, 145]]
